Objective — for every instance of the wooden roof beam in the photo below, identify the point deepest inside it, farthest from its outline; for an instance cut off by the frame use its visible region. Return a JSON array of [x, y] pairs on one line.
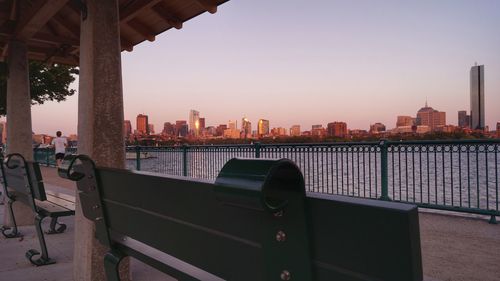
[[142, 29], [126, 44], [130, 10], [71, 28], [55, 40], [41, 11], [209, 5], [168, 17]]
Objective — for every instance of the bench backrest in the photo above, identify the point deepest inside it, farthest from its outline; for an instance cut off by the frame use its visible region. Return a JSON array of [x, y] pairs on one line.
[[23, 177], [254, 222]]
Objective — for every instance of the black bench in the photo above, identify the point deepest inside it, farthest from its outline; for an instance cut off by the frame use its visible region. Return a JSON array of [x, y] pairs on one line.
[[254, 222], [22, 181]]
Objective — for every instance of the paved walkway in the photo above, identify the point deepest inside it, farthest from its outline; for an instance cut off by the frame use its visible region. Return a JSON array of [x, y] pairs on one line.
[[454, 248]]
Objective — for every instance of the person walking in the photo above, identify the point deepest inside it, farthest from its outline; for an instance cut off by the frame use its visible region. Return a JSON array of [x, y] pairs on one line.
[[60, 144]]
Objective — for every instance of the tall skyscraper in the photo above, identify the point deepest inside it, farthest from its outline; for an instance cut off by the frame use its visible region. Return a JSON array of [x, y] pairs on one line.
[[263, 127], [246, 128], [477, 97], [142, 124], [194, 122]]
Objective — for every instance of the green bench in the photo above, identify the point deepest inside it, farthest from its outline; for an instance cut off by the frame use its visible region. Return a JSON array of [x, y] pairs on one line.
[[255, 222], [23, 182]]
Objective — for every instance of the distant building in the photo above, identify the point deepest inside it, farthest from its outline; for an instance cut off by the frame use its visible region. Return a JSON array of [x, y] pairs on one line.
[[463, 119], [194, 122], [168, 129], [422, 129], [232, 125], [210, 131], [246, 128], [73, 138], [219, 131], [202, 124], [232, 133], [278, 132], [446, 129], [337, 129], [151, 129], [428, 116], [377, 128], [404, 121], [142, 124], [263, 128], [295, 131], [181, 128], [318, 131], [358, 133], [477, 97], [498, 130], [127, 128]]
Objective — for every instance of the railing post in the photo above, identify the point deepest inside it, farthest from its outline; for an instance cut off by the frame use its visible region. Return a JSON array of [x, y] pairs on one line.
[[138, 157], [184, 160], [257, 149], [47, 157], [384, 174]]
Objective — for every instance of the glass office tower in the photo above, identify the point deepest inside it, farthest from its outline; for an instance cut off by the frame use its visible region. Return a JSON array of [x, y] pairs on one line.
[[477, 97]]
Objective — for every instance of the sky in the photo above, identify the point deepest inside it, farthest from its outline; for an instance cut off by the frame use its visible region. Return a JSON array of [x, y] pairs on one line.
[[309, 62]]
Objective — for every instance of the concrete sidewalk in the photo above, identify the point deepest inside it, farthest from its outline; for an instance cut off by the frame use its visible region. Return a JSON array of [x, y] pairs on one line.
[[454, 248]]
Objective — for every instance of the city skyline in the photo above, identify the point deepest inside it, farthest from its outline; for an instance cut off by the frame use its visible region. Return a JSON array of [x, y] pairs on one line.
[[345, 61]]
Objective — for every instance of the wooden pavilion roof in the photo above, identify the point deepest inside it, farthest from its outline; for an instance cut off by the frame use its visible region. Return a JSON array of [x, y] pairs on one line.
[[51, 28]]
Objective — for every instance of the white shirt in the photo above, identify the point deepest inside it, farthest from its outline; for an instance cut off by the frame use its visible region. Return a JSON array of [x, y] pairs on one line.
[[60, 143]]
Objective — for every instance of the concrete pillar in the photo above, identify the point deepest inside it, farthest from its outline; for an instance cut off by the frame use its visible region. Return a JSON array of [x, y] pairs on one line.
[[100, 120], [19, 137]]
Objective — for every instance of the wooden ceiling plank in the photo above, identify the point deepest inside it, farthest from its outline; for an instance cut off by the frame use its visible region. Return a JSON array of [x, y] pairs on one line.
[[209, 5], [142, 29], [41, 11], [129, 11], [168, 17]]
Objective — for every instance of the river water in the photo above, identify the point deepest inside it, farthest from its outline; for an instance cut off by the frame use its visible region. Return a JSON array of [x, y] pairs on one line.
[[442, 177]]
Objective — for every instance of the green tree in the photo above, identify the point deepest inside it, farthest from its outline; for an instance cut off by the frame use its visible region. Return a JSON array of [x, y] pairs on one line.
[[47, 83]]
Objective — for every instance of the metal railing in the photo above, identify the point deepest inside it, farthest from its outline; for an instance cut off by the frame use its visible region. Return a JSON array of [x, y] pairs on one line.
[[457, 175]]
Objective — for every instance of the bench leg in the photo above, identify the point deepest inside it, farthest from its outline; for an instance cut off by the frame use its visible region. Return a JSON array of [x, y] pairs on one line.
[[111, 265], [13, 231], [44, 258], [53, 229]]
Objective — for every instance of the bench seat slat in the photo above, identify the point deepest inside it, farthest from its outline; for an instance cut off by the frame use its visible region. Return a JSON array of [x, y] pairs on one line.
[[61, 202], [60, 195], [52, 210]]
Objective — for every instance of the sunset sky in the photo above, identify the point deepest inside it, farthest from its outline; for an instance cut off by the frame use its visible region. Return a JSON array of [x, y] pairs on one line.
[[309, 62]]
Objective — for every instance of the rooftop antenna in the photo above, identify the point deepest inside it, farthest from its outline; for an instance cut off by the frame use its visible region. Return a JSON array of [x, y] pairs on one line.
[[426, 102]]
